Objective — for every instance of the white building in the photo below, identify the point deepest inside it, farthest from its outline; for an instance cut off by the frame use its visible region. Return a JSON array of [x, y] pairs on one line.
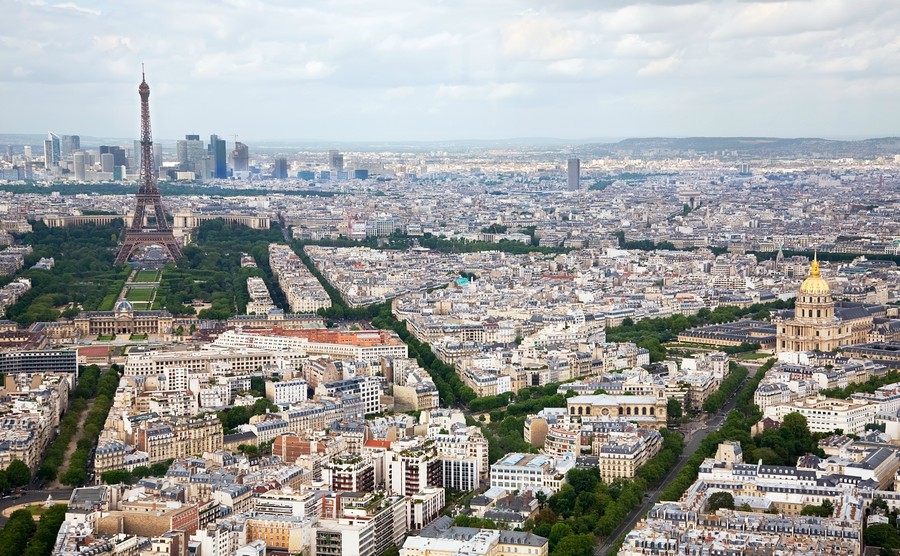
[[530, 472], [286, 392], [828, 414]]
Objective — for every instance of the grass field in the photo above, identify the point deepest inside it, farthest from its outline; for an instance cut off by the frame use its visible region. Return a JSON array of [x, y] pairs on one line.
[[147, 276], [752, 356], [38, 510], [106, 337], [138, 337], [139, 294]]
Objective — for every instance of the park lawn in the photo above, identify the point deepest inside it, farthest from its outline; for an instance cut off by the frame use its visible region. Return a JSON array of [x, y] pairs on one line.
[[139, 294], [106, 337], [147, 276], [138, 336], [37, 510], [753, 356]]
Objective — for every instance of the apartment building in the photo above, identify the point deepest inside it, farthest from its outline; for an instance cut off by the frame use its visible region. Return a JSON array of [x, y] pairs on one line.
[[828, 414], [286, 392], [530, 472], [441, 538]]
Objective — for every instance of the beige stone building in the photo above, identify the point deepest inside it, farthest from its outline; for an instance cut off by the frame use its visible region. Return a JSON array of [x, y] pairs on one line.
[[179, 437], [644, 410], [815, 325], [124, 320]]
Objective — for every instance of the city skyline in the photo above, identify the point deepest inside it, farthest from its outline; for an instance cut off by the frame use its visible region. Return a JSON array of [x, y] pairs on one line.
[[467, 72]]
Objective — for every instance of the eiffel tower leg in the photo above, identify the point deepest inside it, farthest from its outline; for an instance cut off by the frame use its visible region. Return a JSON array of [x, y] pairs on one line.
[[125, 251]]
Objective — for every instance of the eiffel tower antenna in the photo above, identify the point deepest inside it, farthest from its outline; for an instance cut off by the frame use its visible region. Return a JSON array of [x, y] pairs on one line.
[[156, 231]]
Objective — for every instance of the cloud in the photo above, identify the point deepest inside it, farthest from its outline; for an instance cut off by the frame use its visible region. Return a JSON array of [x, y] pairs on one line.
[[353, 69], [659, 67], [67, 6], [540, 37], [491, 91]]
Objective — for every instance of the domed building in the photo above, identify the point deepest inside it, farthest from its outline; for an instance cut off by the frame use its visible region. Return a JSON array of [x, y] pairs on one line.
[[123, 319], [816, 323]]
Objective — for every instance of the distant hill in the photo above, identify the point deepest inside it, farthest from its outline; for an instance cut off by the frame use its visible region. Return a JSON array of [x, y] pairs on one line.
[[750, 146], [774, 147]]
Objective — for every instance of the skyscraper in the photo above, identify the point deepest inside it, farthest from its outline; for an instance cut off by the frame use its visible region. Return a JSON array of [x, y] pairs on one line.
[[107, 161], [193, 155], [157, 159], [119, 156], [336, 161], [574, 175], [240, 158], [218, 156], [281, 169], [68, 145], [78, 158], [51, 150]]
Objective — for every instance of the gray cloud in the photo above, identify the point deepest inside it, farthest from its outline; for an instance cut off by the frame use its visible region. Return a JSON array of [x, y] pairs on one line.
[[414, 69]]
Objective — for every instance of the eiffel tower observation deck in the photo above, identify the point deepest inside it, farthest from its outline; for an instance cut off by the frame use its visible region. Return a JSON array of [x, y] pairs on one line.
[[149, 225]]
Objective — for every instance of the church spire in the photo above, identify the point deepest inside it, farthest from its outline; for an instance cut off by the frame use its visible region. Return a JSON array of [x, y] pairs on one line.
[[814, 267]]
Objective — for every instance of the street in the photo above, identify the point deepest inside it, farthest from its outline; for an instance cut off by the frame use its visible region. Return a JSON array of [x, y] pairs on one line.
[[652, 497], [32, 496]]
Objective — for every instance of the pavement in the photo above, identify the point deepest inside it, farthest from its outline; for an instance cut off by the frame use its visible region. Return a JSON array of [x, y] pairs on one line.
[[31, 497], [692, 443]]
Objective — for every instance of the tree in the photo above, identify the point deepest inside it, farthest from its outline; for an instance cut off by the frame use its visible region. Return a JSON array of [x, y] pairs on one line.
[[45, 536], [767, 455], [883, 535], [674, 409], [795, 426], [719, 500], [248, 449], [575, 545], [117, 476], [558, 532], [141, 471], [825, 509], [18, 473]]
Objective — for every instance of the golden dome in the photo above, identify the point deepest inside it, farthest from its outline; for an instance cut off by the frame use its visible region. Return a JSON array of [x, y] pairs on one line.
[[815, 284]]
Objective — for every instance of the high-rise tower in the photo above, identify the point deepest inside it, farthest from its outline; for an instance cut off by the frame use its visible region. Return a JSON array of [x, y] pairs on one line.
[[155, 231], [574, 174]]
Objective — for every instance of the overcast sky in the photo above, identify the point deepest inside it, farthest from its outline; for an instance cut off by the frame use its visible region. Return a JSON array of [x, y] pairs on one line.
[[452, 69]]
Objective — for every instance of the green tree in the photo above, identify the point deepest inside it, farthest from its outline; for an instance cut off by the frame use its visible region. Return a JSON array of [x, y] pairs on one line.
[[18, 473], [674, 410], [44, 537], [882, 534], [825, 509], [117, 476], [558, 532], [16, 533], [719, 500], [575, 545], [795, 426], [248, 449]]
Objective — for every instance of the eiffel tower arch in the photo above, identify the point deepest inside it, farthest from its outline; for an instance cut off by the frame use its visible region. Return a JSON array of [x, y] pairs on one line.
[[144, 230]]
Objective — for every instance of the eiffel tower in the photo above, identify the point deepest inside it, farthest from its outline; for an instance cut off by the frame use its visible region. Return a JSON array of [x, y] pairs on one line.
[[157, 231]]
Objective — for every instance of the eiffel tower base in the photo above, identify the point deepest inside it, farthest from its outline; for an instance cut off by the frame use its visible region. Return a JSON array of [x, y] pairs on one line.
[[133, 240]]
